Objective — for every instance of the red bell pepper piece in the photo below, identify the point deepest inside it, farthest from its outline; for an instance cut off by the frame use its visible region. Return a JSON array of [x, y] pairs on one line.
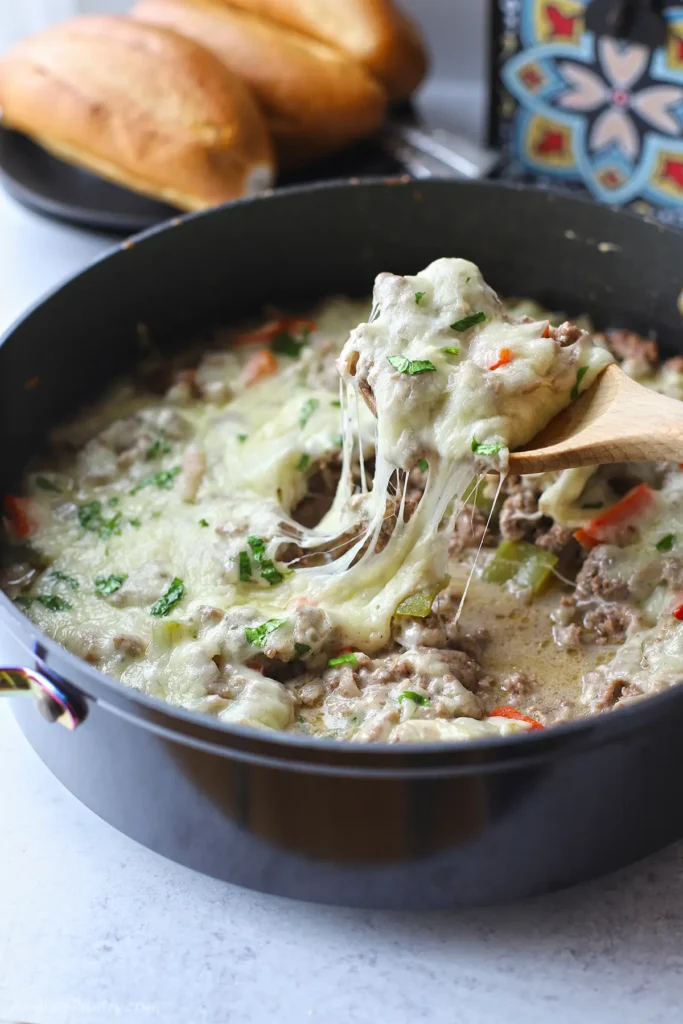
[[506, 711], [603, 528], [505, 356]]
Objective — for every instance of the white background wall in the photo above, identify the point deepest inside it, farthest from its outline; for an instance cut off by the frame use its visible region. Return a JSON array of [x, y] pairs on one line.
[[454, 28]]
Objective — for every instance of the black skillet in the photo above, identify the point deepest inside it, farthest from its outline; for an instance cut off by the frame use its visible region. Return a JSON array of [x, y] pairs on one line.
[[383, 826]]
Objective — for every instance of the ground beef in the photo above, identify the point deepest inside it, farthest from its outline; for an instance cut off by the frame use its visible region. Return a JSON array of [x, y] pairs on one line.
[[628, 345], [609, 622], [519, 515], [567, 333], [470, 530], [518, 684], [601, 693], [440, 629], [131, 646], [597, 578], [556, 539]]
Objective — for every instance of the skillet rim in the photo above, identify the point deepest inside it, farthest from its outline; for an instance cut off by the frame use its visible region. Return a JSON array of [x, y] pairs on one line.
[[194, 728]]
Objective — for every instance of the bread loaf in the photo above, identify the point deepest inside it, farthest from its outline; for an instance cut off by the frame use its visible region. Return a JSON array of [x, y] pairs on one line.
[[374, 32], [141, 106], [315, 99]]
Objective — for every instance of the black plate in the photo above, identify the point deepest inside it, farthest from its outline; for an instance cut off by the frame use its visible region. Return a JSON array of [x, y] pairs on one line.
[[50, 186]]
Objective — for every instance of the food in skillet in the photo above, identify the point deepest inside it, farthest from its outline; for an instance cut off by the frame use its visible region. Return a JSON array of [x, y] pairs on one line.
[[209, 534]]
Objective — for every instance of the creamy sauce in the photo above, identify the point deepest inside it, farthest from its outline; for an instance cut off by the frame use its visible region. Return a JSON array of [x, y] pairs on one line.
[[162, 538]]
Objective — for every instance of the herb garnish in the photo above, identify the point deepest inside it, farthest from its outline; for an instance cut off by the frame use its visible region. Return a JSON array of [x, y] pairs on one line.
[[258, 635], [50, 601], [482, 448], [469, 321], [301, 648], [47, 485], [285, 344], [344, 659], [411, 695], [307, 410], [242, 438], [418, 297], [90, 517], [163, 479], [62, 577], [423, 465], [158, 448], [666, 543], [411, 366], [106, 585], [268, 570], [338, 441], [245, 567], [452, 350], [135, 522], [170, 599], [203, 522], [336, 403], [581, 373], [303, 463]]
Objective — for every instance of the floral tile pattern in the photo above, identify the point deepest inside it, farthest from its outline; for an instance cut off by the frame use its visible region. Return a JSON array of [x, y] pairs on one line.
[[591, 111]]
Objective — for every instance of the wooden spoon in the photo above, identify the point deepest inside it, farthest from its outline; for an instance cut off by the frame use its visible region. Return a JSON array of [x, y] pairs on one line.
[[615, 420]]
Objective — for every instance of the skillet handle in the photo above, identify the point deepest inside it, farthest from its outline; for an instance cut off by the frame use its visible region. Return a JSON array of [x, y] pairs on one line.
[[52, 702], [427, 152]]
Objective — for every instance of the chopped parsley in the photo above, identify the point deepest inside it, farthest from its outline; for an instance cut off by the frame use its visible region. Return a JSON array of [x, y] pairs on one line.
[[158, 448], [336, 403], [135, 522], [113, 502], [338, 441], [106, 585], [268, 569], [50, 601], [307, 410], [285, 344], [242, 438], [245, 567], [62, 577], [666, 543], [418, 297], [300, 719], [170, 599], [303, 463], [482, 448], [344, 659], [203, 522], [302, 649], [423, 465], [163, 479], [581, 373], [258, 635], [411, 366], [412, 695], [452, 350], [90, 517], [47, 485], [469, 321]]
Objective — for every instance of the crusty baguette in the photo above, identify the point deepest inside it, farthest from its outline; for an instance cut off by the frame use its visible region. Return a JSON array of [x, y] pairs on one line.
[[374, 32], [316, 99], [141, 106]]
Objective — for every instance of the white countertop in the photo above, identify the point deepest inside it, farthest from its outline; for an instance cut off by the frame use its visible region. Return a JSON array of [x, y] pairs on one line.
[[94, 928]]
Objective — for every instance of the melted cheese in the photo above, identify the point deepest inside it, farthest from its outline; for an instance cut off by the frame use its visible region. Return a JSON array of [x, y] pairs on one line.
[[257, 449]]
